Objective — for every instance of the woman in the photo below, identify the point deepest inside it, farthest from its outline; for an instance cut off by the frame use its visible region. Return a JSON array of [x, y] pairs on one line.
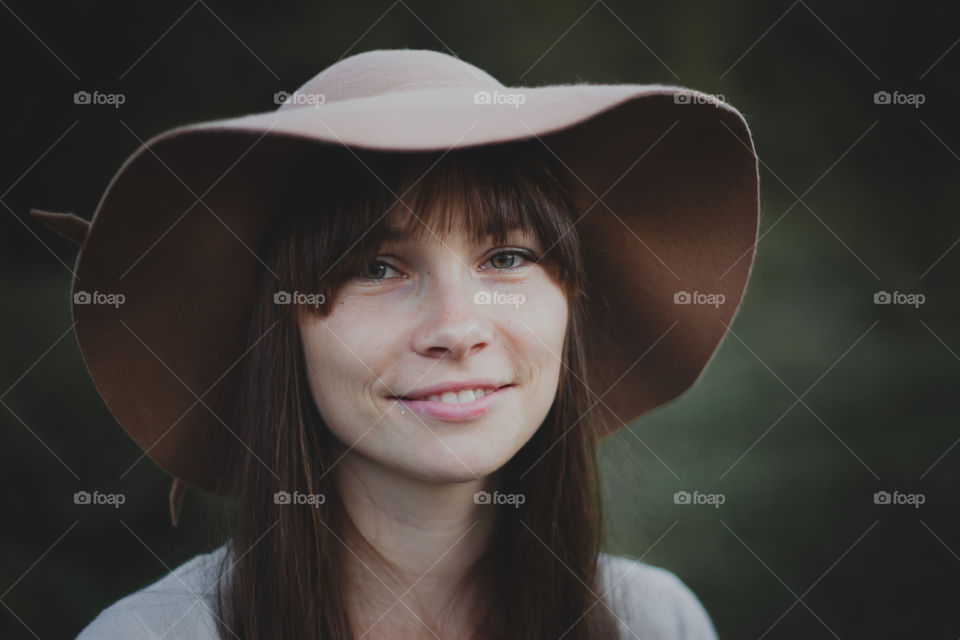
[[398, 359]]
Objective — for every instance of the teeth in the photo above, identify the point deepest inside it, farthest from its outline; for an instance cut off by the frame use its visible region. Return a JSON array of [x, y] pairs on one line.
[[461, 397]]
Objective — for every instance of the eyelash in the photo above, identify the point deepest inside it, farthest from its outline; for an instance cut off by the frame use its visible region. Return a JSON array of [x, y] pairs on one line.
[[523, 253]]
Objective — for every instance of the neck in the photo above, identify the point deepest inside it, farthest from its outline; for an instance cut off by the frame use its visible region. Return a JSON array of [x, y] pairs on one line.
[[430, 532]]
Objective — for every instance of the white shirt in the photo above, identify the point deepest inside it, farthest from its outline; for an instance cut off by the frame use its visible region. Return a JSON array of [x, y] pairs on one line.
[[651, 603]]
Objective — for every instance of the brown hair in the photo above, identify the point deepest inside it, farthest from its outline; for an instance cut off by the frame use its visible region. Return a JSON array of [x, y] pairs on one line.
[[538, 577]]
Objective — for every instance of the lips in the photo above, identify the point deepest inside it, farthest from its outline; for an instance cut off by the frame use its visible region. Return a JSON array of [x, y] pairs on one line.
[[460, 388], [454, 411]]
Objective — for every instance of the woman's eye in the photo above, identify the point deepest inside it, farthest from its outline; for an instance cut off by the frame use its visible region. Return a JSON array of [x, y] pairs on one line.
[[508, 259], [376, 270], [503, 261]]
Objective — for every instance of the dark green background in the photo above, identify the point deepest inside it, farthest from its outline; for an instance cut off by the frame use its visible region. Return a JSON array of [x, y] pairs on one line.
[[879, 187]]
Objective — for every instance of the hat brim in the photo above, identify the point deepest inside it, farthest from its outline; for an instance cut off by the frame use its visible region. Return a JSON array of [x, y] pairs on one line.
[[178, 227]]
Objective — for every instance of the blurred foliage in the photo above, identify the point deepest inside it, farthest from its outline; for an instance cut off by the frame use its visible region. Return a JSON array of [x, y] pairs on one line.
[[879, 186]]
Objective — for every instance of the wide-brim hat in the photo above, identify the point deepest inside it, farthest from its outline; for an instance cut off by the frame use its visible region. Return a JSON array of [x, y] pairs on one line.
[[665, 179]]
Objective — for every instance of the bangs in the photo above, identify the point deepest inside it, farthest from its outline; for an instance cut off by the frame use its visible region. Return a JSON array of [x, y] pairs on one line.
[[322, 239]]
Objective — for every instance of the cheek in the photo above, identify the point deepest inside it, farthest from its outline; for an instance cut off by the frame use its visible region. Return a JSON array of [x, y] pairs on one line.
[[544, 320], [537, 331], [342, 352]]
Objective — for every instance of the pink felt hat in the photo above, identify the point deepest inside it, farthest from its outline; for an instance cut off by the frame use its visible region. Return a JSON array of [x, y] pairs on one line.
[[665, 179]]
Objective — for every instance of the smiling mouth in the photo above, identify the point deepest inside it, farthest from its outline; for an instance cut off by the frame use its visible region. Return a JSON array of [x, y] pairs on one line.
[[463, 396]]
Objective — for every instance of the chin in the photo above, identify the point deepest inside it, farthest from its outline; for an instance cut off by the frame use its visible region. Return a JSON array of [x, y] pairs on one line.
[[446, 467]]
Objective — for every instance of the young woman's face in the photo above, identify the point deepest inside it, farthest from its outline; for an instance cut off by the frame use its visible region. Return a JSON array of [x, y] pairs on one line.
[[440, 312]]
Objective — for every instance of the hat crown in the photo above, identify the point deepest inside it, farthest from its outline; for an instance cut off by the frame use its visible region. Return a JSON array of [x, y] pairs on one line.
[[381, 71]]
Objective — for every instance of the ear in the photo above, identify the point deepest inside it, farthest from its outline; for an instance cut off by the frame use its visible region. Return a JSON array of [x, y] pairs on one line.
[[67, 225]]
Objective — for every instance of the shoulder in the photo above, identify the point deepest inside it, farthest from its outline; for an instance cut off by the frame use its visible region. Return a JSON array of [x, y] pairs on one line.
[[182, 604], [652, 602]]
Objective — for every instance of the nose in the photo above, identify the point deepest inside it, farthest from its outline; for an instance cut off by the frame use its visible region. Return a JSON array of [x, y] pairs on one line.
[[452, 325]]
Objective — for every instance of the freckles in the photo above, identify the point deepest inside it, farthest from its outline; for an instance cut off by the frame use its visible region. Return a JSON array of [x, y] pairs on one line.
[[345, 326], [546, 316], [359, 346], [543, 340]]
